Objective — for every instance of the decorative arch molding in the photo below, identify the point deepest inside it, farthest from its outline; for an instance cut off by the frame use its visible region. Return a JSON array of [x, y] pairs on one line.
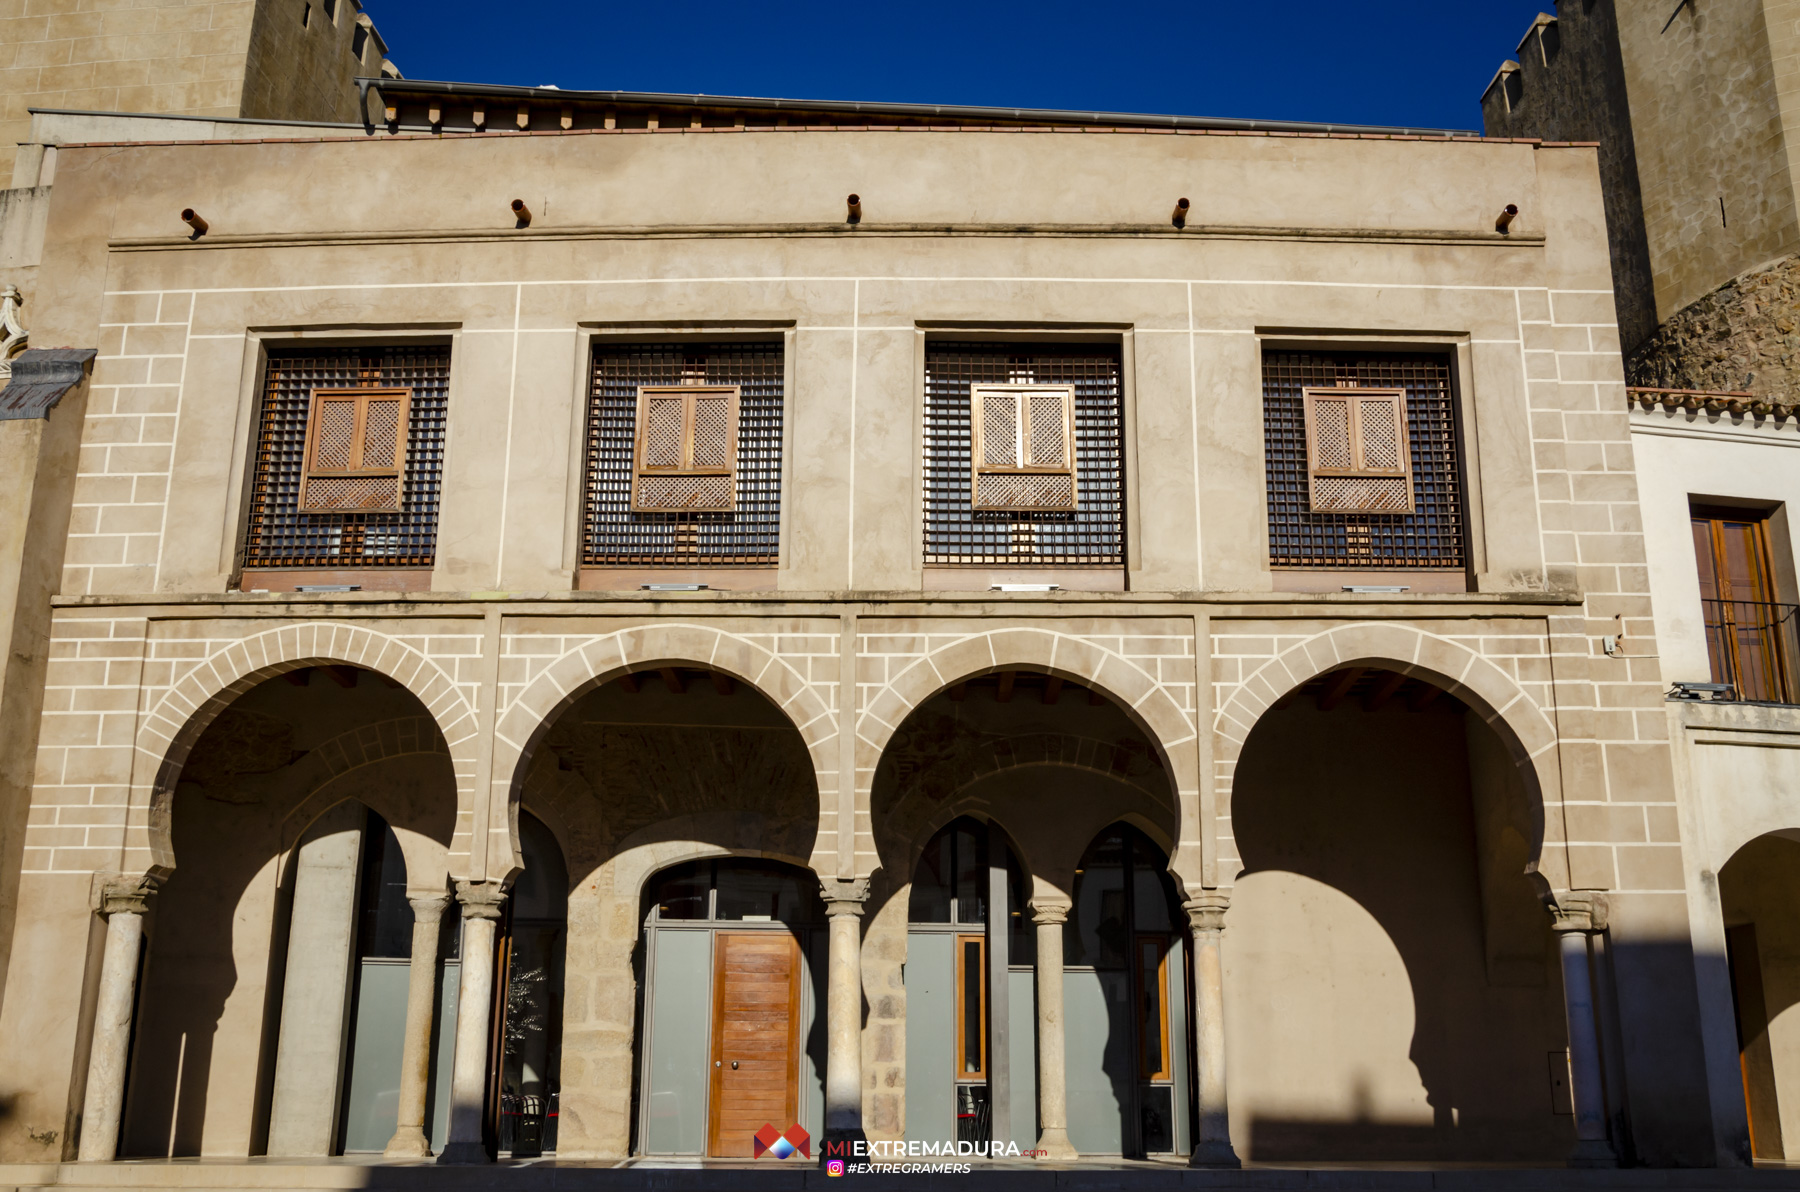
[[646, 648], [168, 732], [1524, 729], [1164, 719]]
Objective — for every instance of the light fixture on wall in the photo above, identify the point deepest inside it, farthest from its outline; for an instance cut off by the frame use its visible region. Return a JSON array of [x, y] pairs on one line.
[[521, 213], [1507, 213], [1179, 219], [1700, 691], [192, 219]]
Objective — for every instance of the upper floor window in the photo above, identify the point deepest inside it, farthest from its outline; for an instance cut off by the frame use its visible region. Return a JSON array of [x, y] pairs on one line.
[[349, 455], [1364, 465], [683, 453], [1024, 458], [1752, 639]]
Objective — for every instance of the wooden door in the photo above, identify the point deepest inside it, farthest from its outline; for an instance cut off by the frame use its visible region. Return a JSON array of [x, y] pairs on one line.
[[756, 1038]]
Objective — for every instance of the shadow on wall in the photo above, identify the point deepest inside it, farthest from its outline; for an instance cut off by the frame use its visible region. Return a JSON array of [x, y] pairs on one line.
[[1383, 890], [282, 752]]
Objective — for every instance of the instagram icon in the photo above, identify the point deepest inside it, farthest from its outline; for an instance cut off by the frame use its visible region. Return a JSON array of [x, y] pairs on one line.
[[834, 1167]]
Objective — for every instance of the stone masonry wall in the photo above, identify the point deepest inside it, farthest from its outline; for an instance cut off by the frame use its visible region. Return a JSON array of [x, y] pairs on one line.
[[1745, 335]]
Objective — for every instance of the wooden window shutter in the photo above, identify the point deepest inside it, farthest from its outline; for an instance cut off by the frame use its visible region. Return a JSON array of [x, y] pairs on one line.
[[1359, 458], [1023, 447], [686, 460], [355, 451]]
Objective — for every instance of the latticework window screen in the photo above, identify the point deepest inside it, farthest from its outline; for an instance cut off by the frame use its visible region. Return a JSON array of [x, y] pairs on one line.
[[279, 533], [959, 534], [1431, 536], [747, 532]]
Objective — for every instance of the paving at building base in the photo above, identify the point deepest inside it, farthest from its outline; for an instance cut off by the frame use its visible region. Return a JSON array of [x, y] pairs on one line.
[[642, 1175]]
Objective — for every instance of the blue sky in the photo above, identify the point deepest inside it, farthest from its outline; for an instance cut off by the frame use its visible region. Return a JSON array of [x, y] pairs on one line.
[[1420, 64]]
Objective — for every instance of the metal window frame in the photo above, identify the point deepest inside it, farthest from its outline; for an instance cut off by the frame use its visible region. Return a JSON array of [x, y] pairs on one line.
[[265, 533], [309, 469], [1441, 537], [1094, 537], [609, 537]]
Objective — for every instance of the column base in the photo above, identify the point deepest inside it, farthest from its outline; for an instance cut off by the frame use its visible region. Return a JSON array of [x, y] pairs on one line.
[[464, 1153], [1590, 1152], [408, 1142], [1214, 1154], [1054, 1144], [840, 1142]]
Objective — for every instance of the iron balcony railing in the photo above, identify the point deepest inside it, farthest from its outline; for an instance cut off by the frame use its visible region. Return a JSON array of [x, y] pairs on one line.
[[1755, 649]]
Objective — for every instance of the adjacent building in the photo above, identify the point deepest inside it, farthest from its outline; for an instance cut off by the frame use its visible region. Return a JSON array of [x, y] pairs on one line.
[[1695, 109]]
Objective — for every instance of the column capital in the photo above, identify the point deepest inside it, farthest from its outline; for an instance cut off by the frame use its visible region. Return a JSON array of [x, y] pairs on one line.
[[1049, 912], [844, 896], [115, 894], [1583, 910], [480, 900], [1206, 910], [429, 906]]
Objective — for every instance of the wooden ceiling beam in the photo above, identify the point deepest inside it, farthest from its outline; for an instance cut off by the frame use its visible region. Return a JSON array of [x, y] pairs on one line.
[[1389, 683], [1006, 686], [628, 682], [1053, 690], [958, 691], [722, 683], [672, 680], [343, 676], [299, 678], [1424, 697], [1338, 686]]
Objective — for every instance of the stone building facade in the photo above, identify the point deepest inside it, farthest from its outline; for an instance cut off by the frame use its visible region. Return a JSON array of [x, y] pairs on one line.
[[1031, 822], [258, 59]]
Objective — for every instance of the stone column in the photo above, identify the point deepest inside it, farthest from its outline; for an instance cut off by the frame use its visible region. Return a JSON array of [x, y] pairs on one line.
[[481, 905], [315, 993], [1206, 919], [104, 1104], [409, 1141], [844, 902], [1053, 1084], [1574, 920]]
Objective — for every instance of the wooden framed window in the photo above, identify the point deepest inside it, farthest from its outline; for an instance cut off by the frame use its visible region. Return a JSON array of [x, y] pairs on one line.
[[971, 1007], [1153, 1006], [1023, 447], [1752, 639], [1359, 459], [355, 451], [685, 460]]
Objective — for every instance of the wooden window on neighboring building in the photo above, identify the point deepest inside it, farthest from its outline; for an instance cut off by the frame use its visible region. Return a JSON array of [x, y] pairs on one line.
[[1370, 482], [1024, 447], [686, 450], [349, 459], [1752, 639]]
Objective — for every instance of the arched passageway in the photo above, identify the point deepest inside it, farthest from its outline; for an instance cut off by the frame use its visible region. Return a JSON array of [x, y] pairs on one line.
[[275, 982], [983, 806], [670, 779], [1393, 974], [1759, 892]]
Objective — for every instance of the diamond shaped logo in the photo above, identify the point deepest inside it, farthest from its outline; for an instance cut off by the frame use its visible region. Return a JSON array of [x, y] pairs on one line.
[[770, 1141]]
